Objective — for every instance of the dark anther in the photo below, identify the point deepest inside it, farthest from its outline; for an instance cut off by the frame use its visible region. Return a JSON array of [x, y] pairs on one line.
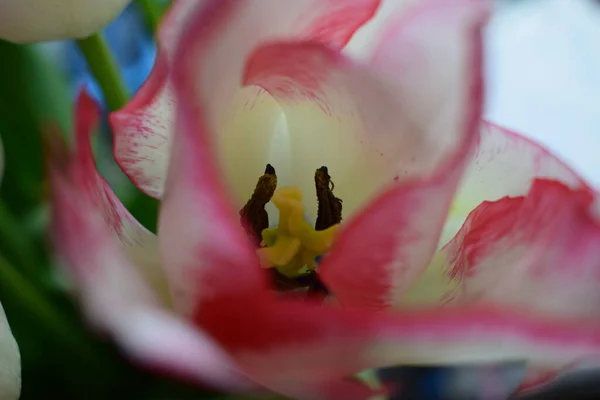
[[329, 210], [269, 170], [253, 216]]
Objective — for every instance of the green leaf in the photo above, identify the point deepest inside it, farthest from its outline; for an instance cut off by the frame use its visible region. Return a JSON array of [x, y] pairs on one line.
[[33, 94]]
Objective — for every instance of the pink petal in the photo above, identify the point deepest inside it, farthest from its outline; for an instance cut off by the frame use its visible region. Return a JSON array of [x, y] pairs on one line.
[[531, 212], [173, 23], [143, 129], [538, 252], [537, 377], [137, 242], [381, 252], [318, 347], [114, 295], [505, 164], [203, 245], [321, 344], [510, 231]]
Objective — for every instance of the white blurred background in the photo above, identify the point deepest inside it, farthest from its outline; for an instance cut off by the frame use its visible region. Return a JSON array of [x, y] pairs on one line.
[[544, 76]]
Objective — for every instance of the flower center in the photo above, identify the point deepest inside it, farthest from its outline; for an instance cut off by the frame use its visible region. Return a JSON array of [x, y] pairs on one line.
[[292, 248]]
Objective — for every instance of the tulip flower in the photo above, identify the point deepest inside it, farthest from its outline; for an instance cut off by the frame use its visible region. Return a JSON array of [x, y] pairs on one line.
[[26, 21], [332, 202]]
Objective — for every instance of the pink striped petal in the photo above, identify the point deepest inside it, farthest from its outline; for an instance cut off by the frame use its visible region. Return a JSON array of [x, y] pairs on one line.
[[137, 242], [381, 252], [537, 377], [203, 245], [509, 229], [539, 252], [143, 129], [173, 23], [114, 295], [505, 164], [322, 344], [319, 347]]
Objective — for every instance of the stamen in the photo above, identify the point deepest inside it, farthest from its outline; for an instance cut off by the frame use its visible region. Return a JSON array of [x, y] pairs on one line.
[[291, 249], [253, 216], [293, 245], [329, 211]]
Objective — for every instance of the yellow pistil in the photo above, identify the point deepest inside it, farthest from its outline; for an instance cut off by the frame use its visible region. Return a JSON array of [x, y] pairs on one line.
[[293, 245]]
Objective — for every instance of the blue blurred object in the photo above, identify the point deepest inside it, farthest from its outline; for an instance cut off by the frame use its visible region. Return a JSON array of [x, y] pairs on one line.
[[489, 382], [132, 45]]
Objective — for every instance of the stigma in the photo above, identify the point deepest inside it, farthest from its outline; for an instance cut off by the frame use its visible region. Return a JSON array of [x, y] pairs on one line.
[[294, 244], [291, 248]]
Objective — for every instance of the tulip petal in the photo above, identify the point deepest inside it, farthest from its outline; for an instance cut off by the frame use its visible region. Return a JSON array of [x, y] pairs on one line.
[[204, 247], [322, 344], [527, 242], [137, 242], [505, 164], [537, 252], [10, 367], [114, 295], [382, 251], [537, 377], [143, 129], [309, 340], [25, 21]]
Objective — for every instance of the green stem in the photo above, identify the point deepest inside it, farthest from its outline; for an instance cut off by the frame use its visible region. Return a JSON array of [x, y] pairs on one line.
[[105, 70], [152, 13]]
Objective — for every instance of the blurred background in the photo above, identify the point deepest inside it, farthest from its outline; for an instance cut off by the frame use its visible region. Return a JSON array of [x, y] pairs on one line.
[[543, 79]]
